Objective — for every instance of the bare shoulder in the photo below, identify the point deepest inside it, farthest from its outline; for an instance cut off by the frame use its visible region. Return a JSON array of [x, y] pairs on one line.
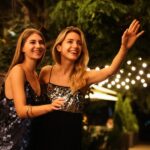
[[17, 70], [44, 73], [45, 69], [16, 74]]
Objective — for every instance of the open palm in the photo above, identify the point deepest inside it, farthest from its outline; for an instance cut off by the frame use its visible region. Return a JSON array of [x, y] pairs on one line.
[[131, 34]]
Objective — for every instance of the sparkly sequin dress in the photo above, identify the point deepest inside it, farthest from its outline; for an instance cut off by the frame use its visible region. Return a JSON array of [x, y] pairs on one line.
[[14, 131], [60, 130]]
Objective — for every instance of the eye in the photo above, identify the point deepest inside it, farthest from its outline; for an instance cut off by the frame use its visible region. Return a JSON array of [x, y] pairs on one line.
[[41, 42], [70, 41], [79, 43], [32, 42]]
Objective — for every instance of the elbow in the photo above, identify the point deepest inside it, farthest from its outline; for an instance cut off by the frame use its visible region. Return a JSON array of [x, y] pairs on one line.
[[113, 71], [22, 113]]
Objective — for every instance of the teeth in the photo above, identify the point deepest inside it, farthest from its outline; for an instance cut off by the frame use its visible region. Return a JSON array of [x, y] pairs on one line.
[[74, 52]]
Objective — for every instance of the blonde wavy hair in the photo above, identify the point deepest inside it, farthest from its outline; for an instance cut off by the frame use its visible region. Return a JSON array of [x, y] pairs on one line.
[[19, 55], [80, 64]]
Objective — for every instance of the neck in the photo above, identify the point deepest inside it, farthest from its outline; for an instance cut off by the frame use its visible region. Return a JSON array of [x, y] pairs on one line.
[[65, 68], [29, 66]]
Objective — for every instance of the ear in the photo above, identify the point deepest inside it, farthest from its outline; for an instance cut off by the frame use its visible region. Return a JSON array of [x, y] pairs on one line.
[[58, 47]]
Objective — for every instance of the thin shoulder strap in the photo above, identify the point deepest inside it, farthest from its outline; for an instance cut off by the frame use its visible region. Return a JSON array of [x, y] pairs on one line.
[[50, 73]]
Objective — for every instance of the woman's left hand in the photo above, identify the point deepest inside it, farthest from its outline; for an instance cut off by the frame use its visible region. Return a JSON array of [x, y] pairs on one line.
[[131, 34]]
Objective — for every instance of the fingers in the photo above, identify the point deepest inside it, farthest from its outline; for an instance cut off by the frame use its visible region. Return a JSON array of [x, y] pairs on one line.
[[134, 25], [58, 103], [136, 28], [125, 33], [140, 33]]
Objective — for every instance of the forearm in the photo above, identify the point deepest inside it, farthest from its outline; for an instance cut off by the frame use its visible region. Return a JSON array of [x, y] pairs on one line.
[[117, 61], [34, 111]]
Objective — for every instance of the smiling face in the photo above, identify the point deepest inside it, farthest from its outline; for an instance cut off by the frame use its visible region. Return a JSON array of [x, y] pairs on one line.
[[34, 47], [71, 47]]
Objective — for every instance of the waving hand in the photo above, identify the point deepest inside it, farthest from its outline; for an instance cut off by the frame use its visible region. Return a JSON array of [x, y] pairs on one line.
[[131, 34]]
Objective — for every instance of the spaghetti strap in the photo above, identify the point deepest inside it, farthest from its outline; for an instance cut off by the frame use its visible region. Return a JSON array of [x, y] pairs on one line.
[[50, 73]]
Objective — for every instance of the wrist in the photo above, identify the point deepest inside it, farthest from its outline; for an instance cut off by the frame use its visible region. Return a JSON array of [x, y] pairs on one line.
[[49, 108], [124, 47]]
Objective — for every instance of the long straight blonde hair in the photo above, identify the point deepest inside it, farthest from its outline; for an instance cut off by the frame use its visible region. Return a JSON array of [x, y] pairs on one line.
[[19, 55], [77, 79]]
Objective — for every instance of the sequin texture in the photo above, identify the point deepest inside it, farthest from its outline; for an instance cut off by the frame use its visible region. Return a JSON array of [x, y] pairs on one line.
[[14, 131], [73, 103]]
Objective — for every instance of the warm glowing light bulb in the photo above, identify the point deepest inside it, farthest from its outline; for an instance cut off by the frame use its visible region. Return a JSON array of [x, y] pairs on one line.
[[117, 80], [121, 71], [118, 86], [148, 75], [141, 72], [129, 62], [139, 58], [106, 66], [138, 77], [118, 76], [113, 82], [127, 79], [144, 65], [133, 68], [123, 83], [145, 85], [109, 86], [129, 74], [132, 81], [127, 87], [97, 68], [143, 80]]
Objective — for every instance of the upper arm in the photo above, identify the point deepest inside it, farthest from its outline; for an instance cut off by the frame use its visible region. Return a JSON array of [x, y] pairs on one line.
[[44, 74], [95, 76], [17, 80]]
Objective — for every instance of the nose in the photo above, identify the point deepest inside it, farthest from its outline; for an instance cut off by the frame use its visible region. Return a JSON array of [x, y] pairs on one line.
[[38, 44], [75, 44]]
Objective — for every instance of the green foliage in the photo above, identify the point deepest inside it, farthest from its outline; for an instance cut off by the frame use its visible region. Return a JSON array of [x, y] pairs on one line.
[[124, 110], [102, 21]]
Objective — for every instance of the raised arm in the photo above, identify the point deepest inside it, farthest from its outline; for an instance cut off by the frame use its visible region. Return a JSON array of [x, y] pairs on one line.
[[129, 37]]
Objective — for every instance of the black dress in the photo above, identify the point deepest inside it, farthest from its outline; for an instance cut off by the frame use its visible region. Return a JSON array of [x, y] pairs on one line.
[[59, 130], [14, 131]]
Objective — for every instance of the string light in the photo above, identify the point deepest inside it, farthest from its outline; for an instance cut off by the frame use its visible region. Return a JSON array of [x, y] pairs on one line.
[[118, 86], [109, 85], [129, 74], [138, 77], [127, 80], [127, 87], [145, 85], [133, 82], [118, 76], [143, 80], [121, 71], [117, 80], [123, 83], [134, 75], [133, 68], [144, 65], [141, 72], [148, 75], [129, 62], [97, 68]]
